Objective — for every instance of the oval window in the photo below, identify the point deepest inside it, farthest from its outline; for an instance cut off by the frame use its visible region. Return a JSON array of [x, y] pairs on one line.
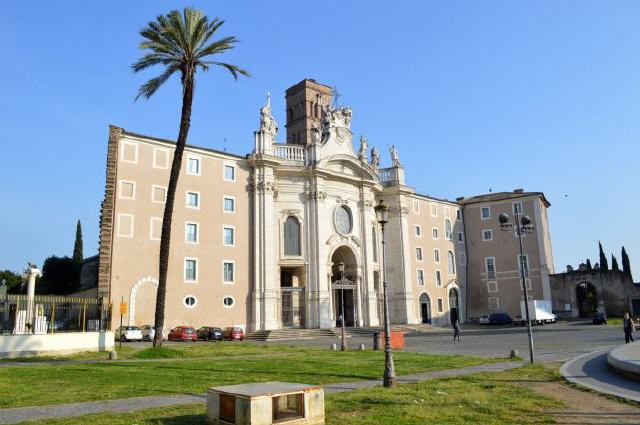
[[190, 301], [343, 220], [228, 302]]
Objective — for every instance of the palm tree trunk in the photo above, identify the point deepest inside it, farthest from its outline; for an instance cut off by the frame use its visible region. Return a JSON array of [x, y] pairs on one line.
[[165, 238]]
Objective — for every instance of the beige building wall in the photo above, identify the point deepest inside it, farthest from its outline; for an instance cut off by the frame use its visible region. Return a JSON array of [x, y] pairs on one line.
[[429, 247], [484, 239], [142, 175]]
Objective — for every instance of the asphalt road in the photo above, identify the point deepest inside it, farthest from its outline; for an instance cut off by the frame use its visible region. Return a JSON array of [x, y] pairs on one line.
[[556, 342]]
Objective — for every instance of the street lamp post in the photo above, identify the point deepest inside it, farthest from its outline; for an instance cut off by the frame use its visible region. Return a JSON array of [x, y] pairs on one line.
[[523, 226], [343, 343], [382, 215]]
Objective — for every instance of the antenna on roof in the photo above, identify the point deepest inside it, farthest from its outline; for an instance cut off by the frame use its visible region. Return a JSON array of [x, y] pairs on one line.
[[224, 144]]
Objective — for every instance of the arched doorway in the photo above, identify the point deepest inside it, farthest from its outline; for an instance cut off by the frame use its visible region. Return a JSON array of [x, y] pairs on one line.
[[425, 308], [144, 312], [587, 299], [453, 305], [344, 290]]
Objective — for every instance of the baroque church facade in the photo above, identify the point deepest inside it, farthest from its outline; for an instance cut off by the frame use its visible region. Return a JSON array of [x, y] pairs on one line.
[[257, 240]]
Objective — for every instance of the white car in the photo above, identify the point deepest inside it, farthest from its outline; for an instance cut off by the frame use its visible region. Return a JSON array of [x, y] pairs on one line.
[[128, 333], [484, 320]]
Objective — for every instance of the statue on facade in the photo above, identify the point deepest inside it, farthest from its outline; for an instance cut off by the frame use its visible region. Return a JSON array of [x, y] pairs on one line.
[[362, 154], [374, 160], [395, 158], [315, 134], [267, 123]]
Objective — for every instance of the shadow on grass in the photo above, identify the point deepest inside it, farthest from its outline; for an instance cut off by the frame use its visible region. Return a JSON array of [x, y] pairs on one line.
[[181, 420]]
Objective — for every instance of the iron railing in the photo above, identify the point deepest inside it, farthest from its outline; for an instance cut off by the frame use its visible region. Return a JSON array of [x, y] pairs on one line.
[[51, 314]]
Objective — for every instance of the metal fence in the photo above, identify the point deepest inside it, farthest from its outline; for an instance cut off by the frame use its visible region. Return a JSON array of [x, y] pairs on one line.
[[51, 314]]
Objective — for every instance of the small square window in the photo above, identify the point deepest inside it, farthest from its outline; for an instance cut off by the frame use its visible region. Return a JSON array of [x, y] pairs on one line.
[[460, 237], [129, 152], [158, 194], [125, 225], [228, 271], [193, 200], [229, 204], [492, 286], [485, 213], [191, 270], [229, 173], [418, 230], [193, 166], [155, 228], [494, 303], [160, 158], [487, 235], [191, 233], [419, 253], [127, 190], [228, 236], [420, 277]]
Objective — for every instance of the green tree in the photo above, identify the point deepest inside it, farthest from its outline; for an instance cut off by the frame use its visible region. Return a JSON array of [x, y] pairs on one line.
[[589, 266], [604, 264], [614, 263], [626, 265], [77, 246], [13, 281], [183, 43], [60, 276]]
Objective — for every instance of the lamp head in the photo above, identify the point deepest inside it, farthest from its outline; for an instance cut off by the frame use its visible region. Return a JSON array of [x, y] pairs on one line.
[[525, 220], [382, 212], [503, 218], [341, 266]]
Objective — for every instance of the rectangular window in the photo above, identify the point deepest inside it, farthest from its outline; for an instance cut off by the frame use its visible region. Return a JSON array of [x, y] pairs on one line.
[[160, 158], [125, 225], [460, 237], [158, 194], [487, 235], [127, 190], [447, 212], [517, 208], [494, 303], [485, 213], [190, 270], [434, 233], [228, 271], [490, 264], [374, 242], [440, 305], [191, 233], [193, 200], [438, 278], [527, 283], [523, 264], [418, 230], [229, 173], [459, 215], [229, 204], [416, 206], [419, 254], [129, 152], [155, 228], [433, 210], [492, 286], [193, 165], [436, 255], [420, 277], [463, 258], [228, 236]]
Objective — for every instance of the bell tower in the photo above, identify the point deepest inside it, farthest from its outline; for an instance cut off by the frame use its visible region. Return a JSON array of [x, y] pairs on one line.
[[306, 102]]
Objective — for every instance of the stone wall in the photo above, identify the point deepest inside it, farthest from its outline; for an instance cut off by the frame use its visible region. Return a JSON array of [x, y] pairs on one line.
[[615, 292]]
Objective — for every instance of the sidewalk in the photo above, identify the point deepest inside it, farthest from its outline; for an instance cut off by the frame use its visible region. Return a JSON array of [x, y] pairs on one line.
[[591, 370], [22, 414]]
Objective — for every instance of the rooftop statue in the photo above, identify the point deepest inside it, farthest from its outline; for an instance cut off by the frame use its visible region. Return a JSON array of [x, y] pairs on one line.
[[362, 154], [267, 123], [374, 160], [395, 158]]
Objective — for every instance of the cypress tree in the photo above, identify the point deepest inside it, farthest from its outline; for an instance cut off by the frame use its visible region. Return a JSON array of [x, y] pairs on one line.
[[604, 264], [77, 247], [614, 263], [626, 265], [589, 267]]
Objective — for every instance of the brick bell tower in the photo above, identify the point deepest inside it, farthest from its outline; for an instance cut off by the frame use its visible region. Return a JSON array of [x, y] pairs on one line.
[[305, 104]]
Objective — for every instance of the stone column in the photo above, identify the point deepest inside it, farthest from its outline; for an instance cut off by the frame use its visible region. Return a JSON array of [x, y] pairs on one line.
[[31, 272]]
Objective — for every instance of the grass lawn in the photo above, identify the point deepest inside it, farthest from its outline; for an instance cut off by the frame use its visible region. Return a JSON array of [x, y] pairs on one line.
[[488, 399], [194, 373]]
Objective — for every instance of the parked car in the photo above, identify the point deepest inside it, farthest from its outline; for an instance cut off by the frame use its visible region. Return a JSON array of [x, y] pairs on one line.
[[128, 333], [519, 321], [484, 320], [209, 333], [183, 333], [500, 319], [232, 333], [148, 332], [600, 319]]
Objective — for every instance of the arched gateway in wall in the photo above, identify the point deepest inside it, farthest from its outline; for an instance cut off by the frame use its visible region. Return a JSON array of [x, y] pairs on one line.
[[344, 288], [148, 301]]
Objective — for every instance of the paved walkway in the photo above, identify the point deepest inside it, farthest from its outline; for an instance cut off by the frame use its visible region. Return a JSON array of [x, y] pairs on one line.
[[22, 414], [591, 370]]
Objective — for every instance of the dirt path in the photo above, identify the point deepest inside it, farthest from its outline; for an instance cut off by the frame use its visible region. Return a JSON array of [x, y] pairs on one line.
[[584, 407]]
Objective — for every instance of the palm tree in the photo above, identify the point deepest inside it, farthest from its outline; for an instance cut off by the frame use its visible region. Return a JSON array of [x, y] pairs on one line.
[[183, 43]]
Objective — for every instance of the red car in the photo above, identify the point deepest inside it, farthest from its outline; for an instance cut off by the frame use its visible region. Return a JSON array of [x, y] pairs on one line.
[[233, 333], [183, 333]]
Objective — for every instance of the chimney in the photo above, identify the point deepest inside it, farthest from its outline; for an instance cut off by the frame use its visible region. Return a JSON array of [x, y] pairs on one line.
[[518, 191]]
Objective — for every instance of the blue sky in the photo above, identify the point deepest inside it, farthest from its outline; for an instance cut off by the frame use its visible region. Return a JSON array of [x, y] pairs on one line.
[[540, 95]]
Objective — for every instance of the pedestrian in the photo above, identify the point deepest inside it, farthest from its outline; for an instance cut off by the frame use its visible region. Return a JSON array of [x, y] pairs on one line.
[[629, 328], [456, 330]]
